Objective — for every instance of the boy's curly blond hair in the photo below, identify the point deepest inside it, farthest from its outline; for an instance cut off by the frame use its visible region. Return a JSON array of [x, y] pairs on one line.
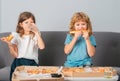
[[81, 16]]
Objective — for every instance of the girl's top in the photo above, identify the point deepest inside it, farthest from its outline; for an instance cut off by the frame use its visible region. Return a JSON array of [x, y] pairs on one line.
[[79, 56], [27, 46]]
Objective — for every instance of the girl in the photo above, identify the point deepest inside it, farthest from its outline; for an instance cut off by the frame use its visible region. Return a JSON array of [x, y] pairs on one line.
[[25, 42], [80, 43]]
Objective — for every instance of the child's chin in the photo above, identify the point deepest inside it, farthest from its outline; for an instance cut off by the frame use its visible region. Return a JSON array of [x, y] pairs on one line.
[[29, 30]]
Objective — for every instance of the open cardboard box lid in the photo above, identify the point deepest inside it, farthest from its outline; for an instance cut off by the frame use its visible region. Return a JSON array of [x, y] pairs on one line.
[[89, 72], [20, 74]]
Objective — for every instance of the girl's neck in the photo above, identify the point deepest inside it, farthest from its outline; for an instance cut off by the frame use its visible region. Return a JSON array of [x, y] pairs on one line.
[[26, 33]]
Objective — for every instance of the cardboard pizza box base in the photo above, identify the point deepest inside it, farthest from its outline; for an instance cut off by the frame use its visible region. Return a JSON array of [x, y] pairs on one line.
[[20, 68], [89, 74], [54, 79], [76, 74], [107, 73]]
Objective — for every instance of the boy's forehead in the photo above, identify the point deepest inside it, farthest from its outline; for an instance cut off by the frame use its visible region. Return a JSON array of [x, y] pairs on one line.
[[81, 21]]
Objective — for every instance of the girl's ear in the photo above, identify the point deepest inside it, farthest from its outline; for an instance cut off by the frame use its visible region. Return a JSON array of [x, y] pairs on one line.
[[20, 24]]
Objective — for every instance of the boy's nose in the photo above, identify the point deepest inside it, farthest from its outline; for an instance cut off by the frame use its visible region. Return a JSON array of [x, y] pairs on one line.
[[80, 28]]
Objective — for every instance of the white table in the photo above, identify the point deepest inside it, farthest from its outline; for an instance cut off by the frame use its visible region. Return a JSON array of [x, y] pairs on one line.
[[115, 78]]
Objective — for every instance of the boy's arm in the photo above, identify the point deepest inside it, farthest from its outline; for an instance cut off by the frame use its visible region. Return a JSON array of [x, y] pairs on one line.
[[68, 47], [90, 48]]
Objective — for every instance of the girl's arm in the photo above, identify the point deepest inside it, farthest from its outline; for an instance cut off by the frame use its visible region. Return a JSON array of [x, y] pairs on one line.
[[41, 44], [40, 41], [68, 47], [13, 48], [90, 47]]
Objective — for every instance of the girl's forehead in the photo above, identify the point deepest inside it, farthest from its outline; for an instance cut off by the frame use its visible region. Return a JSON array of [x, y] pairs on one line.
[[29, 19]]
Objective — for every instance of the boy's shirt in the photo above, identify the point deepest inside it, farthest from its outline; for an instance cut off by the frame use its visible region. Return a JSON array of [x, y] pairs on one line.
[[79, 51]]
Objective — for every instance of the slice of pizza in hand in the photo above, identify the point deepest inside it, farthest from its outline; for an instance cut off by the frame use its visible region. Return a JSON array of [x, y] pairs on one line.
[[9, 37], [84, 30], [73, 32]]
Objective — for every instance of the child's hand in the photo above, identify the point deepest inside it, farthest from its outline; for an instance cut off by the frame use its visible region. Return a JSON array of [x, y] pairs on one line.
[[4, 39], [85, 35], [10, 37], [34, 28], [77, 34], [7, 39]]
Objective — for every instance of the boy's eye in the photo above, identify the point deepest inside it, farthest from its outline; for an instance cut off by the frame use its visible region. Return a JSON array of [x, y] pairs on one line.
[[77, 24], [83, 24]]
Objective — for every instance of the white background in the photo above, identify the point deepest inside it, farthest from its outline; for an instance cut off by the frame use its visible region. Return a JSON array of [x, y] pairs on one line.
[[55, 15]]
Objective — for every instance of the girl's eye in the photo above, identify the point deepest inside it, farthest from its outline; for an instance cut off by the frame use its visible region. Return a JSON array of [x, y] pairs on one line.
[[26, 22], [31, 22]]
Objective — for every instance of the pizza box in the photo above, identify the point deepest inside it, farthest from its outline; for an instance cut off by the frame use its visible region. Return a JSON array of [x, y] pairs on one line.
[[89, 72], [35, 73], [53, 79]]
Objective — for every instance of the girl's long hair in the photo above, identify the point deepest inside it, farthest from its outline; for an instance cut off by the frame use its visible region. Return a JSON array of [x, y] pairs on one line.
[[24, 16]]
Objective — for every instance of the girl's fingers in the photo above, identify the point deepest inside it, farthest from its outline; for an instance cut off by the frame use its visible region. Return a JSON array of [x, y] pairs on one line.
[[3, 38], [34, 28]]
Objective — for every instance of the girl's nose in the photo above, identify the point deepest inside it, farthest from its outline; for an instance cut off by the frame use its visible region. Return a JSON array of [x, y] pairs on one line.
[[30, 25]]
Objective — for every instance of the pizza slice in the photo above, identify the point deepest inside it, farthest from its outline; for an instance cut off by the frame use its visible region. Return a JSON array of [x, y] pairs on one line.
[[83, 30], [9, 37]]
